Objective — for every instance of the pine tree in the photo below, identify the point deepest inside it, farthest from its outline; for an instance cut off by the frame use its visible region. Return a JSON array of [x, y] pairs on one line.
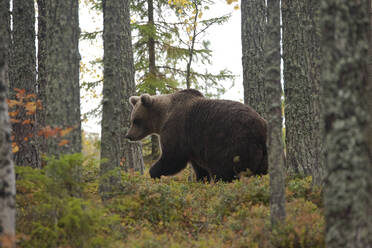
[[301, 55], [23, 78], [345, 92], [62, 65], [155, 145], [7, 177], [253, 14], [41, 74], [118, 86]]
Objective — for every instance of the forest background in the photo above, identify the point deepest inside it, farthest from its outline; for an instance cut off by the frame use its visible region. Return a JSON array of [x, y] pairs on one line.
[[63, 187]]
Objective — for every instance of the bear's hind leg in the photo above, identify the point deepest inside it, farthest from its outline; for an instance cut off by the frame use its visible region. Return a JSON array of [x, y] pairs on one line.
[[201, 174]]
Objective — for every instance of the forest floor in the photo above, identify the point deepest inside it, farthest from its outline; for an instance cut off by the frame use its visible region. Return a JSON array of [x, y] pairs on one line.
[[59, 206]]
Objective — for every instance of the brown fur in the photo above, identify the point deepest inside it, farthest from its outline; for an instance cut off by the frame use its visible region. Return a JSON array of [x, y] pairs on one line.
[[220, 138]]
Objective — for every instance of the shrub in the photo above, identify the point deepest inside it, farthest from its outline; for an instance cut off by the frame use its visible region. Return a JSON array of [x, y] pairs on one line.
[[59, 206]]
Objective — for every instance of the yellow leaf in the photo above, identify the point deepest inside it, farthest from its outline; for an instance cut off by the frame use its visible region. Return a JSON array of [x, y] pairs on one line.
[[236, 7], [32, 95], [231, 1], [12, 103], [188, 29], [26, 122], [66, 131], [15, 148], [12, 120], [30, 107], [63, 142], [14, 114]]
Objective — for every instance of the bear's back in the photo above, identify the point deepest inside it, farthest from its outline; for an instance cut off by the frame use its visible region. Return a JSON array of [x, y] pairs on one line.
[[224, 114]]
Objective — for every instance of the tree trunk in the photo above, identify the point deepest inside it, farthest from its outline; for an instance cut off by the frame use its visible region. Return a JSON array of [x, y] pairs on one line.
[[192, 46], [346, 117], [368, 133], [7, 178], [23, 71], [41, 74], [253, 19], [301, 54], [155, 145], [62, 65], [117, 88], [273, 92]]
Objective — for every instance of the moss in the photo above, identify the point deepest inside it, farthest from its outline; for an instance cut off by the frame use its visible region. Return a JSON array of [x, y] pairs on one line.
[[171, 212]]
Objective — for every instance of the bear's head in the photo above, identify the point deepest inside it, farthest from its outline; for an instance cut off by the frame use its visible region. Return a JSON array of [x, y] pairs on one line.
[[146, 116]]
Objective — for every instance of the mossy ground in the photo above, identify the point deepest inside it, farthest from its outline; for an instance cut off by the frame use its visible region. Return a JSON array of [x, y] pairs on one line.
[[59, 206]]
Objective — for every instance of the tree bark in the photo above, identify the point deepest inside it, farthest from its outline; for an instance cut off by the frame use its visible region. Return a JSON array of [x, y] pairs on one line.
[[273, 92], [301, 55], [23, 71], [253, 19], [41, 75], [7, 178], [118, 86], [62, 65], [191, 47], [346, 117], [368, 133], [155, 145]]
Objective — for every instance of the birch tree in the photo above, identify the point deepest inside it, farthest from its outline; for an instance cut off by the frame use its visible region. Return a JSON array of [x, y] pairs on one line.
[[7, 178]]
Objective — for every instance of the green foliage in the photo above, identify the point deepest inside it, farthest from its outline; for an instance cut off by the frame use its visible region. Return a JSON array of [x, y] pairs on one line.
[[49, 212], [171, 212], [178, 34]]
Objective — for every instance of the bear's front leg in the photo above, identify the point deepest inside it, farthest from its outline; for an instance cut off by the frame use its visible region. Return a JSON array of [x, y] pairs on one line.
[[167, 165]]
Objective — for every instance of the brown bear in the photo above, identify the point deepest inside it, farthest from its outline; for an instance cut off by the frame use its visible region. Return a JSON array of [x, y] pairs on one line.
[[220, 138]]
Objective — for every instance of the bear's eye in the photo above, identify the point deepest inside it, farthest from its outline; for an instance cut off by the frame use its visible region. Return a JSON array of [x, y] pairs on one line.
[[137, 122]]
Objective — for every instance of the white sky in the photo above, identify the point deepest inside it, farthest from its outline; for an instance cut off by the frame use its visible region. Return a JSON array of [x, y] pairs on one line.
[[225, 42]]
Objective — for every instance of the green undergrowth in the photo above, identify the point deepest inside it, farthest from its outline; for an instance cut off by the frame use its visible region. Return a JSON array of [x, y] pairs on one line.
[[59, 206]]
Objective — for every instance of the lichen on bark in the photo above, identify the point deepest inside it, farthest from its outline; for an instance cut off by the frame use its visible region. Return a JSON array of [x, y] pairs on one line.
[[7, 177], [273, 92], [253, 19], [118, 86], [23, 77], [62, 67], [346, 118], [301, 56]]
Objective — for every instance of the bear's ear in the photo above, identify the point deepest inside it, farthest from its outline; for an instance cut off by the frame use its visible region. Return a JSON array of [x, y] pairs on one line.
[[146, 100], [133, 100]]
